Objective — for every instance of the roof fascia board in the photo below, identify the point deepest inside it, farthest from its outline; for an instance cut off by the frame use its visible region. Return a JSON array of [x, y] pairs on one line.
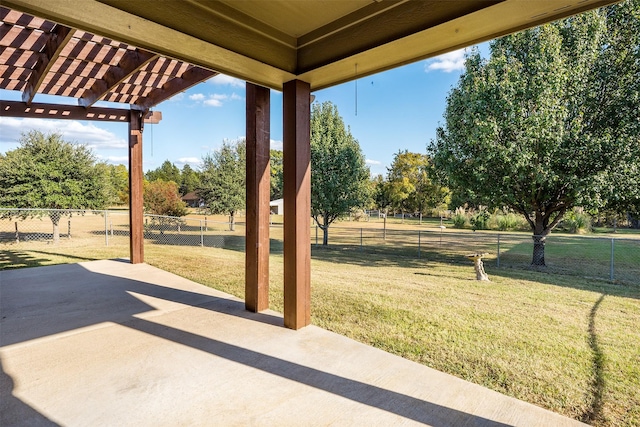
[[386, 26], [219, 24], [480, 26], [103, 20]]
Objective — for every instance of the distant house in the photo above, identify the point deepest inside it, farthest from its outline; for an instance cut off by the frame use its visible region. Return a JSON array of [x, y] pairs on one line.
[[192, 200], [277, 207]]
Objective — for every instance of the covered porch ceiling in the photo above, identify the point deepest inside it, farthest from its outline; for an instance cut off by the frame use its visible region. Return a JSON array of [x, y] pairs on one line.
[[321, 42]]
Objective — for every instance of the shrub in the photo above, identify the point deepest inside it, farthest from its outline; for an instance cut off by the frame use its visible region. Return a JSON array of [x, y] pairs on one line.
[[508, 221], [480, 220], [459, 218], [577, 221], [359, 215]]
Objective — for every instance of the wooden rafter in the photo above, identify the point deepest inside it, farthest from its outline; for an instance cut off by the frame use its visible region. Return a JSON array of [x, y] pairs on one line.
[[56, 111], [131, 62], [41, 57], [189, 78], [58, 39]]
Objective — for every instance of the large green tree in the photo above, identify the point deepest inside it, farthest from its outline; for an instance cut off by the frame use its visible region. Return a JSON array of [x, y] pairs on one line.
[[47, 172], [189, 179], [543, 124], [119, 184], [410, 184], [166, 172], [339, 175], [276, 174], [222, 180]]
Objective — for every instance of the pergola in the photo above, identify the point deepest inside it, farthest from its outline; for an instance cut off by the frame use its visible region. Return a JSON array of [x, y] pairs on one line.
[[144, 51]]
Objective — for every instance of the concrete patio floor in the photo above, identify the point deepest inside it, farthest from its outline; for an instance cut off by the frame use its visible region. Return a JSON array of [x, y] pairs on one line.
[[107, 343]]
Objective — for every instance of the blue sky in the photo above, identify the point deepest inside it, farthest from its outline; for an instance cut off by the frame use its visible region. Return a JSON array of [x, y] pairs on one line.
[[396, 110]]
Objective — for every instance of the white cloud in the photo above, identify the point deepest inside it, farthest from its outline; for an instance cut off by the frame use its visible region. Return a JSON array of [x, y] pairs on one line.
[[196, 97], [222, 79], [236, 97], [213, 102], [372, 162], [124, 160], [275, 145], [448, 62], [71, 130], [190, 160]]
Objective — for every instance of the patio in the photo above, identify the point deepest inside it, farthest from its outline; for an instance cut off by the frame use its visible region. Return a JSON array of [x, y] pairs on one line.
[[113, 343]]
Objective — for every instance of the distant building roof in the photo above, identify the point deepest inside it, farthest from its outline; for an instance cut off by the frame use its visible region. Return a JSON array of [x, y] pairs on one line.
[[190, 196]]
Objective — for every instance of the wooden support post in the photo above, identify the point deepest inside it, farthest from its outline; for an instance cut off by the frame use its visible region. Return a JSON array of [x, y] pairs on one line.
[[297, 204], [256, 295], [136, 236]]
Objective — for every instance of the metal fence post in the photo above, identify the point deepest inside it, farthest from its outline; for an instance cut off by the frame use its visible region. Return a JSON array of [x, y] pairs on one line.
[[201, 234], [419, 243], [611, 271], [106, 228], [498, 259], [17, 233]]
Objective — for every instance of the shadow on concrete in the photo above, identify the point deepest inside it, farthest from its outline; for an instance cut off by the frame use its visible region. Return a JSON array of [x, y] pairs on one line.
[[70, 297], [357, 391], [14, 411], [50, 300]]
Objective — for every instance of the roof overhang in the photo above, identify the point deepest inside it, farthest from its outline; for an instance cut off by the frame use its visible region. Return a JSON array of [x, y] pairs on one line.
[[324, 43]]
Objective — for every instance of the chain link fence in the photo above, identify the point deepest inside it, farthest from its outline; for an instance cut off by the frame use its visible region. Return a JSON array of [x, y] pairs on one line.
[[607, 258], [614, 259]]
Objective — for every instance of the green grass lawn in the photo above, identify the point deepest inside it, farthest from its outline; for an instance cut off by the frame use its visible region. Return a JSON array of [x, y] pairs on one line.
[[565, 343]]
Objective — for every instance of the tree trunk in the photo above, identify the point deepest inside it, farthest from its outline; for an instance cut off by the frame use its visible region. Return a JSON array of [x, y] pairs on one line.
[[325, 231], [55, 220], [538, 251], [232, 221]]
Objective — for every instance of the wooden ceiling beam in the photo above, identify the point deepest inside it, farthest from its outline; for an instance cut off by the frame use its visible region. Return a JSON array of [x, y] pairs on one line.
[[189, 78], [58, 39], [132, 61], [394, 22], [68, 112]]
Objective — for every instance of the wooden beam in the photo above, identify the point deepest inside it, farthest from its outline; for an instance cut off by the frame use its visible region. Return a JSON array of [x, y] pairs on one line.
[[136, 190], [101, 19], [58, 39], [392, 22], [297, 204], [189, 78], [70, 112], [131, 62], [258, 190], [153, 117]]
